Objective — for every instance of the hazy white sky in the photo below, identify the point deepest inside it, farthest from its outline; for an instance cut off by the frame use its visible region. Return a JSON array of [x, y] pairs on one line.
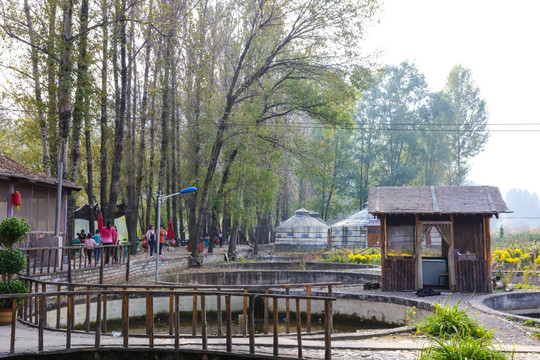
[[500, 42]]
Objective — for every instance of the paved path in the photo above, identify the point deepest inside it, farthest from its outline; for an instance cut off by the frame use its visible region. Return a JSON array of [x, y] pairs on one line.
[[393, 348]]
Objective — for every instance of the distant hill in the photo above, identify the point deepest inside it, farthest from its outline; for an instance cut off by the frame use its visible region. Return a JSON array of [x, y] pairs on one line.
[[525, 216]]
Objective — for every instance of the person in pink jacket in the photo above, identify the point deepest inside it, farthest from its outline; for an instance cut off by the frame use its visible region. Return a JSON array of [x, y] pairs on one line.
[[106, 234], [89, 244], [115, 242]]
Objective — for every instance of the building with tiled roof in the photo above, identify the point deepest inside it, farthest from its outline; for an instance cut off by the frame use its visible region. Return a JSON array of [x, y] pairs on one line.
[[38, 198]]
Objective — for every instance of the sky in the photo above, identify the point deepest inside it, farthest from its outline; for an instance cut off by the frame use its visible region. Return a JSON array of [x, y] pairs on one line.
[[499, 42]]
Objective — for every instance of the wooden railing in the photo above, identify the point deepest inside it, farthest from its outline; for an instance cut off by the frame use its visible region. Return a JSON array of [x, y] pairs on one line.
[[40, 301], [50, 260]]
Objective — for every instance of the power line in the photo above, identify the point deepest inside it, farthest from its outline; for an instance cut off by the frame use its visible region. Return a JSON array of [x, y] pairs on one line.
[[424, 127]]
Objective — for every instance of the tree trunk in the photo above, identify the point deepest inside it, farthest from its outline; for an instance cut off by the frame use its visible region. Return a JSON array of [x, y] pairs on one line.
[[37, 90], [64, 92], [104, 203], [52, 89], [80, 108], [120, 120]]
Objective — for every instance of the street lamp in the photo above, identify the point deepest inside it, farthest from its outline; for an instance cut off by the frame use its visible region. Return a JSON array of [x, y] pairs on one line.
[[161, 198]]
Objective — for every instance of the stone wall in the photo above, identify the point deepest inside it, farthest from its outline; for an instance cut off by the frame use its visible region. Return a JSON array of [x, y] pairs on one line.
[[116, 274]]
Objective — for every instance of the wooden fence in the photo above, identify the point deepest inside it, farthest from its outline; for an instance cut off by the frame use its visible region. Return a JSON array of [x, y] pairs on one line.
[[51, 260], [34, 311], [399, 274]]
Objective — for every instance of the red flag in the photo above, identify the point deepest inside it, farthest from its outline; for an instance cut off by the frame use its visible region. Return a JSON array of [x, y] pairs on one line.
[[170, 231], [100, 221]]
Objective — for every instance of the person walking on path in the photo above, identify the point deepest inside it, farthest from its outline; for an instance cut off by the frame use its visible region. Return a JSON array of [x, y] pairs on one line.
[[115, 242], [161, 240], [151, 236], [96, 238], [106, 234], [89, 244]]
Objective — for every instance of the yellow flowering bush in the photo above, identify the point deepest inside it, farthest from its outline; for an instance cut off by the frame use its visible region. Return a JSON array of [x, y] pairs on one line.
[[512, 256], [365, 259]]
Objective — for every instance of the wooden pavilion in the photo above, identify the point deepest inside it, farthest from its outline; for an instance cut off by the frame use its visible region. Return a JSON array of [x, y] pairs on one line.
[[456, 220]]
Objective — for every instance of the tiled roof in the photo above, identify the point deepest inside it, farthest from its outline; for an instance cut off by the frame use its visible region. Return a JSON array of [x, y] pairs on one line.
[[436, 200], [13, 169]]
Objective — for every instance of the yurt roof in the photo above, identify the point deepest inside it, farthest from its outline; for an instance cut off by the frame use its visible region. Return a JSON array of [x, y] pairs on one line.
[[301, 219], [360, 218]]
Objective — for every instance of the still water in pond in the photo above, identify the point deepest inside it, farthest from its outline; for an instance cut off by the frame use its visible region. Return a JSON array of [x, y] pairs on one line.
[[342, 324]]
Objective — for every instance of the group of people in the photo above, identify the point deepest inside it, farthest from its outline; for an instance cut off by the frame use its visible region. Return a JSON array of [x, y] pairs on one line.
[[151, 239], [107, 235]]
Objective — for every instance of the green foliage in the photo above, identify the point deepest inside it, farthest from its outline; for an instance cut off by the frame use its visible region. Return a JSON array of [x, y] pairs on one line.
[[12, 262], [12, 287], [461, 346], [449, 321], [13, 230]]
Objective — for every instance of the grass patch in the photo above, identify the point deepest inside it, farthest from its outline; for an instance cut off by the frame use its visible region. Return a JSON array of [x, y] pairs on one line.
[[451, 320], [462, 347], [455, 335]]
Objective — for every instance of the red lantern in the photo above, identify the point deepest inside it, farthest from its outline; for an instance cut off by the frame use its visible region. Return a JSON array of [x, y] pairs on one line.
[[16, 199]]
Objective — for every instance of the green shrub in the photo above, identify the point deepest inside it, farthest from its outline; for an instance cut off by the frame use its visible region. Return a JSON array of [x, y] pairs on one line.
[[450, 320], [12, 287], [462, 347], [13, 230], [12, 262]]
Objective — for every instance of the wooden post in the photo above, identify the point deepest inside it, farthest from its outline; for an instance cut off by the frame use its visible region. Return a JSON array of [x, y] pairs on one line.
[[13, 327], [56, 251], [150, 317], [287, 310], [244, 312], [104, 323], [176, 321], [69, 322], [194, 316], [327, 330], [382, 220], [98, 322], [203, 323], [299, 328], [308, 310], [49, 261], [87, 322], [36, 305], [275, 318], [128, 264], [452, 268], [147, 311], [251, 325], [266, 291], [44, 290], [487, 245], [331, 310], [171, 312], [229, 322], [42, 259], [58, 308], [42, 300], [69, 264], [218, 312], [125, 316], [101, 266]]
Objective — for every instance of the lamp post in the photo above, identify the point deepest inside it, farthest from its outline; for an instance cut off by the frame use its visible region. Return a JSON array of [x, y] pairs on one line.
[[161, 198]]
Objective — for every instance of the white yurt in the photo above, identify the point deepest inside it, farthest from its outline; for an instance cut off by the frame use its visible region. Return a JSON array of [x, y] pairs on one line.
[[351, 232], [302, 231]]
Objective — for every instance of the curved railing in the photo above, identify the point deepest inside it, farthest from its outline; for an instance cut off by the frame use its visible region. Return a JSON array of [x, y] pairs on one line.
[[53, 297]]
